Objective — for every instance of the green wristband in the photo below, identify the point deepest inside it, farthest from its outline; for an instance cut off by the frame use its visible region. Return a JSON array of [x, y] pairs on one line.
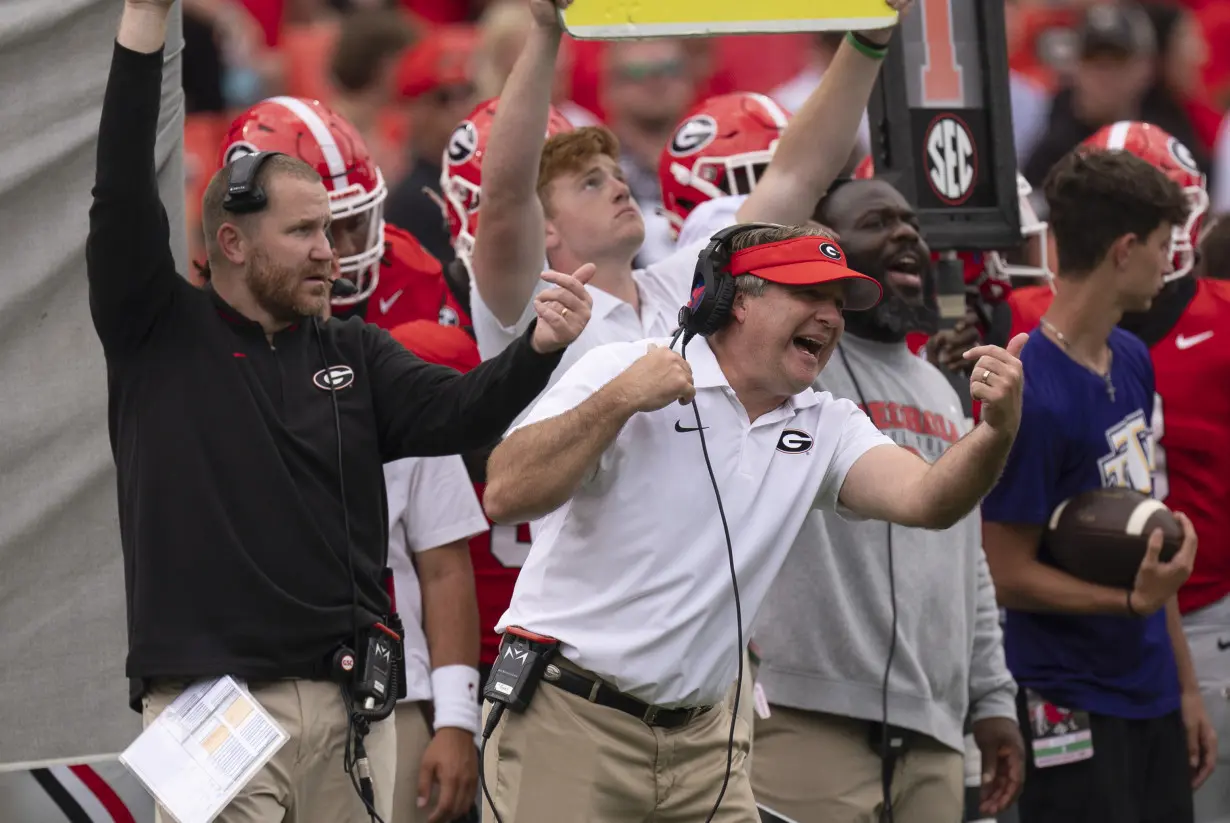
[[868, 48]]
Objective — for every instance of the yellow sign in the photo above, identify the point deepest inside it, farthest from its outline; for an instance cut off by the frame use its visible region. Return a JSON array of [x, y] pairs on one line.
[[620, 19]]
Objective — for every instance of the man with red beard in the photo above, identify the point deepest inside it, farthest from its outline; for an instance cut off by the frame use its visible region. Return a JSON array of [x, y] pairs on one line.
[[396, 280], [250, 436]]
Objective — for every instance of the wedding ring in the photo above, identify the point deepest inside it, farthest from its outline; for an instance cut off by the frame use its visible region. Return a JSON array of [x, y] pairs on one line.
[[564, 313], [986, 376]]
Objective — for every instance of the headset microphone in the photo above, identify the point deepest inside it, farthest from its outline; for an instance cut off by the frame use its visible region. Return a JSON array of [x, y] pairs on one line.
[[950, 288], [341, 287]]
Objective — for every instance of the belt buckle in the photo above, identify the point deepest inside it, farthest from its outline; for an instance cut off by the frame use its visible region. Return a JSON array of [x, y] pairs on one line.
[[651, 714]]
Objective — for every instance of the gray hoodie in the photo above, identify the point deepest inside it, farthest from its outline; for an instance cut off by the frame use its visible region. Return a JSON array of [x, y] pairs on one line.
[[824, 631]]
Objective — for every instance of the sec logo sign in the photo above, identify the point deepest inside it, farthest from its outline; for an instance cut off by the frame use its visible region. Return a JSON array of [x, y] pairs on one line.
[[951, 159]]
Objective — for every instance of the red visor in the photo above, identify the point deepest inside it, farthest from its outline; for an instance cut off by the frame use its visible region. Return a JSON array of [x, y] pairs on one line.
[[806, 261]]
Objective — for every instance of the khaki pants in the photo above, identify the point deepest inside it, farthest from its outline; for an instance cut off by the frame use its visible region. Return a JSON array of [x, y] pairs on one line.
[[566, 760], [305, 781], [413, 735], [819, 768]]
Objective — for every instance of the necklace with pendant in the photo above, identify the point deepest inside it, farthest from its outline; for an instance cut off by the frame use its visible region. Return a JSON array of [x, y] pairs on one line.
[[1063, 341]]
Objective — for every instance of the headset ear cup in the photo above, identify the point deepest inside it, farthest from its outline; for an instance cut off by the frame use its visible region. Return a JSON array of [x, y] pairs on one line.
[[723, 302]]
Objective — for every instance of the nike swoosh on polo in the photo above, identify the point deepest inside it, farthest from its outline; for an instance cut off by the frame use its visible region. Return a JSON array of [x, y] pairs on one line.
[[1182, 342], [679, 427], [1222, 645], [386, 303]]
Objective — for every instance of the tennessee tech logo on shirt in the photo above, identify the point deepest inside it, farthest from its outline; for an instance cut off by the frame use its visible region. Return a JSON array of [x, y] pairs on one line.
[[1130, 459]]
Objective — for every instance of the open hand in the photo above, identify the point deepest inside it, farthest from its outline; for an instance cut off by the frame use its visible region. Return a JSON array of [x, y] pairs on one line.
[[1201, 738], [1156, 582], [655, 380], [562, 311], [1003, 762], [997, 381], [450, 764]]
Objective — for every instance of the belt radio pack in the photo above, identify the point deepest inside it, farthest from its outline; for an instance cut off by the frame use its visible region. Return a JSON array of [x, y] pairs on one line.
[[372, 679], [518, 670]]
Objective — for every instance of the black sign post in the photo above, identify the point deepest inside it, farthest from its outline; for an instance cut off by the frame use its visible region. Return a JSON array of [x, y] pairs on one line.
[[941, 124]]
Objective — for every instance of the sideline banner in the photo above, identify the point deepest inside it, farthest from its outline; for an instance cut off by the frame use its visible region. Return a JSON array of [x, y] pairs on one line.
[[621, 19]]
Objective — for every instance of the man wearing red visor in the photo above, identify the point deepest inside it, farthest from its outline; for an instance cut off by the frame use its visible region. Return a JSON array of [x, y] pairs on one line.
[[625, 591]]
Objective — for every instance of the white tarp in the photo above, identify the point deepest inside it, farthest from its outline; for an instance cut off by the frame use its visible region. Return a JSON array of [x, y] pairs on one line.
[[63, 694]]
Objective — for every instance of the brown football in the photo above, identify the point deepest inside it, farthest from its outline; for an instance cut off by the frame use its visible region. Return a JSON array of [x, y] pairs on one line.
[[1100, 536]]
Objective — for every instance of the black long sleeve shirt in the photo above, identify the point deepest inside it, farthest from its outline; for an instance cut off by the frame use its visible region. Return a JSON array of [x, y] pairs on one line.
[[232, 519]]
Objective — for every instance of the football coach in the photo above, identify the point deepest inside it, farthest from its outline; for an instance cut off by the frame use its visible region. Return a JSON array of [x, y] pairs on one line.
[[625, 593], [249, 434]]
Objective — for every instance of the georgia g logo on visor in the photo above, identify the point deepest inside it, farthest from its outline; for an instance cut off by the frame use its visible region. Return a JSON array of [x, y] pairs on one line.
[[333, 378], [794, 441], [830, 251]]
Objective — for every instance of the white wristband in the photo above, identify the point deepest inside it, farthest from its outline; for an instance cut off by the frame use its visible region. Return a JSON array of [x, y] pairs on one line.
[[454, 696]]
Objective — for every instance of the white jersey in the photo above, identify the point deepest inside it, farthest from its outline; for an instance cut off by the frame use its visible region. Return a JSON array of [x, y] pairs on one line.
[[431, 504]]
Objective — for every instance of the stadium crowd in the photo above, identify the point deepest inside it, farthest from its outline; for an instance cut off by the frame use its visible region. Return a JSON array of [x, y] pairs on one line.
[[615, 163]]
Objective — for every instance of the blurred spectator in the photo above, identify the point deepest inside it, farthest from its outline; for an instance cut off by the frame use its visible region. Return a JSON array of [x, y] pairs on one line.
[[362, 73], [1175, 101], [435, 79], [646, 90], [1114, 69], [791, 94], [1215, 251], [227, 64], [502, 30]]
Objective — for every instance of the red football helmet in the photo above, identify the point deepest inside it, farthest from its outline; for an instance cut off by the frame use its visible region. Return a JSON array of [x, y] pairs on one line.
[[461, 171], [306, 129], [721, 147], [1150, 143]]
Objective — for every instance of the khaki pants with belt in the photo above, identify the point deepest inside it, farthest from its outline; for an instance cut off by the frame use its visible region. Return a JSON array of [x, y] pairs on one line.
[[566, 760], [305, 781], [812, 767]]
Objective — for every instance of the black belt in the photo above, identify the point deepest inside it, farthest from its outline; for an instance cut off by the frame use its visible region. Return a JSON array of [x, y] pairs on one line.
[[595, 691]]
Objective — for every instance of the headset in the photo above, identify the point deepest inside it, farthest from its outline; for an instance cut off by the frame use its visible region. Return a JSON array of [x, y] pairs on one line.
[[886, 771], [244, 196], [713, 289], [713, 297]]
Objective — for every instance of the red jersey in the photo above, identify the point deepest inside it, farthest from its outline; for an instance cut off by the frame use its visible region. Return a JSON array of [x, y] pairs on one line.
[[1190, 425], [1028, 304], [1191, 369], [497, 554], [411, 286]]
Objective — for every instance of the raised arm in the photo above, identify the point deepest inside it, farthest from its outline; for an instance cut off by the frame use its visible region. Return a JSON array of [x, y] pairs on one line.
[[510, 248], [423, 409], [891, 483], [541, 465], [128, 254], [820, 137]]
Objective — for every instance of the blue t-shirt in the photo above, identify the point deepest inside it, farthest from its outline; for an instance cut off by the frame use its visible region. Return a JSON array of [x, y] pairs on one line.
[[1074, 438]]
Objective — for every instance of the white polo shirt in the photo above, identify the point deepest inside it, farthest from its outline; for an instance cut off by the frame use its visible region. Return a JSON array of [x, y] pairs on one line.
[[431, 504], [631, 574], [663, 287]]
